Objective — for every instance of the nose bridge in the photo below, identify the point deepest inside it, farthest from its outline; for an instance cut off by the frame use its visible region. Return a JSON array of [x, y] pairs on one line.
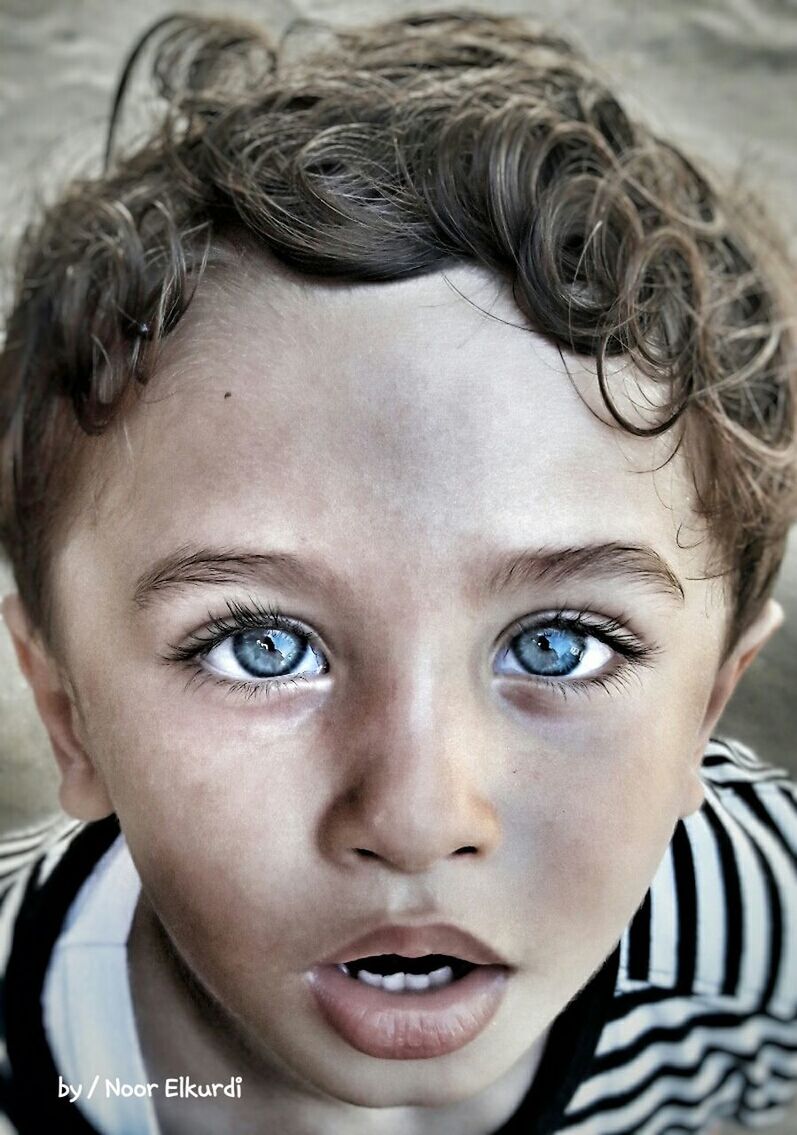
[[415, 787]]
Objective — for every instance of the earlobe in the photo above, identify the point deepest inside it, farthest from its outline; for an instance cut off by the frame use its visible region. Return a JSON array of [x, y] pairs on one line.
[[82, 793], [750, 642]]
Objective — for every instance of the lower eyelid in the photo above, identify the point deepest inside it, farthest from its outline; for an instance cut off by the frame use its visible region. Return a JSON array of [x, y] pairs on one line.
[[526, 689], [248, 691], [619, 679]]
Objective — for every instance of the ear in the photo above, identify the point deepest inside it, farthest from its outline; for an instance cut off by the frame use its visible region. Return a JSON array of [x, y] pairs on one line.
[[82, 794], [750, 642]]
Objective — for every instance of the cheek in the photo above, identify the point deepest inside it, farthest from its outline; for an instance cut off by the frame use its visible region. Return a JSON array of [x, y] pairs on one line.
[[598, 806], [219, 817], [595, 859]]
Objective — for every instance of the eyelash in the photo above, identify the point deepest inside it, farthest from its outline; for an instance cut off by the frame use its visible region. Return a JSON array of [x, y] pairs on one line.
[[612, 632], [242, 617], [254, 616]]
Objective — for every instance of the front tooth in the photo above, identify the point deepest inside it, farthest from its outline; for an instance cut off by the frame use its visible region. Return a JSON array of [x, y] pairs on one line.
[[369, 978], [441, 976], [417, 981], [394, 982]]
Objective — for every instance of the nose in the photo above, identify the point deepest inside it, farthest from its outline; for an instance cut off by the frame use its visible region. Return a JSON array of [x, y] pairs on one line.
[[415, 790]]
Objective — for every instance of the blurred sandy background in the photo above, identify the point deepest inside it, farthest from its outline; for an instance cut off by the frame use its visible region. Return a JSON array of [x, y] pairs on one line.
[[720, 76]]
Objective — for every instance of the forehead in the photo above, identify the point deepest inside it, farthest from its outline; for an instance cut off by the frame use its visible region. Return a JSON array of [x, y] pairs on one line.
[[413, 422]]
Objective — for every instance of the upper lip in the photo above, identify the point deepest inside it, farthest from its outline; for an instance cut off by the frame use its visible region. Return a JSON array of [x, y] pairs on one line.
[[416, 942]]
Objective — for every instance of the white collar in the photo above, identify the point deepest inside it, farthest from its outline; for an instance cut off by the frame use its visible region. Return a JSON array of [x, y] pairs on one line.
[[88, 1009]]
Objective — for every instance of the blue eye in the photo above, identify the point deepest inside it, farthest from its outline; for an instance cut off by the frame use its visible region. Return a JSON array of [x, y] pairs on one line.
[[267, 653], [549, 651], [252, 651], [555, 650], [264, 652]]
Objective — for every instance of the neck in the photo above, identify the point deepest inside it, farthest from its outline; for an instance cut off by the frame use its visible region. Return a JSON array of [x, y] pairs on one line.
[[183, 1033]]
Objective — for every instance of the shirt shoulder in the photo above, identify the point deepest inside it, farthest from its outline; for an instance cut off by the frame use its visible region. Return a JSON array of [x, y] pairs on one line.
[[720, 917], [41, 868], [703, 1024], [27, 857]]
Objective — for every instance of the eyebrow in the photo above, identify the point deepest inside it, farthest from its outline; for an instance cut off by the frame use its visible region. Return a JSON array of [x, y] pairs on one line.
[[637, 563], [190, 566]]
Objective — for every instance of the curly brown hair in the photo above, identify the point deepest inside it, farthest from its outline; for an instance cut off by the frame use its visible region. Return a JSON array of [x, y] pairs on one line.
[[383, 153]]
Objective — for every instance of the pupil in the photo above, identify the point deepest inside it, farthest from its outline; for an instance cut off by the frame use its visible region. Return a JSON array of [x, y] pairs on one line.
[[550, 651], [267, 653]]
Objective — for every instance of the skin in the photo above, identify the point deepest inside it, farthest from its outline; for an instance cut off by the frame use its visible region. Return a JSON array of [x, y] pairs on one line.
[[402, 438]]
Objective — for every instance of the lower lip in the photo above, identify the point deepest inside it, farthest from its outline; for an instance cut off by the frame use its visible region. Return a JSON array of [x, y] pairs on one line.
[[408, 1026]]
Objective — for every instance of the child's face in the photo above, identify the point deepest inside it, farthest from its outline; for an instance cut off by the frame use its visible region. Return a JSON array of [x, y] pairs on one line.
[[391, 450]]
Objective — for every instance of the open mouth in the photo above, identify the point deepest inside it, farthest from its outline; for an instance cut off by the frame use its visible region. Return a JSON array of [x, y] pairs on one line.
[[398, 974], [397, 1007]]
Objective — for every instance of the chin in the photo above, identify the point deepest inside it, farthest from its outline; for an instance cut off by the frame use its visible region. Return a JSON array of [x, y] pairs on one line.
[[384, 1095], [367, 1081]]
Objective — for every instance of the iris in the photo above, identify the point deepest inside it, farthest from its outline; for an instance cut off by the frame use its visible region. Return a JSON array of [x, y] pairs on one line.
[[269, 652], [549, 650]]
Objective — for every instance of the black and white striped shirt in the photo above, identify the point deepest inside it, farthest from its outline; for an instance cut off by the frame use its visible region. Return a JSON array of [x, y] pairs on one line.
[[691, 1020]]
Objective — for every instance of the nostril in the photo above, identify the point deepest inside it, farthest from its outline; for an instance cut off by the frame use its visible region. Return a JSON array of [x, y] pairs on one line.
[[366, 853]]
